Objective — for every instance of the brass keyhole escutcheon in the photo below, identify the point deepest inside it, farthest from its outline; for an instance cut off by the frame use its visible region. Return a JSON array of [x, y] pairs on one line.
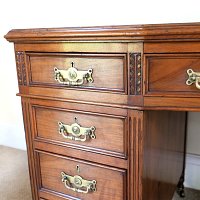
[[72, 76], [77, 132], [78, 184]]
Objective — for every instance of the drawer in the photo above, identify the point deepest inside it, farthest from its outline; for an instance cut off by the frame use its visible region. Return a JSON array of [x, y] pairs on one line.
[[75, 179], [90, 131], [166, 74], [104, 72]]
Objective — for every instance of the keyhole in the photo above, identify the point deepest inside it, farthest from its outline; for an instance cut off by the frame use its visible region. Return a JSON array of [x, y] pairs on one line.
[[76, 120], [78, 168]]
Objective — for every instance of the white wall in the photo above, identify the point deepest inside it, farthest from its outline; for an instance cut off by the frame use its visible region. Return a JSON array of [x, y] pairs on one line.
[[62, 13], [193, 151], [193, 145]]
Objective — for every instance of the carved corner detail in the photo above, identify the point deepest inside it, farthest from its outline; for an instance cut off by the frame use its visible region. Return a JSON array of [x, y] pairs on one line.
[[135, 79], [21, 68]]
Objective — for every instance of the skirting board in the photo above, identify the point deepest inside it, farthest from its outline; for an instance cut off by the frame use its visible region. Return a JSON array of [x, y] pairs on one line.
[[192, 174]]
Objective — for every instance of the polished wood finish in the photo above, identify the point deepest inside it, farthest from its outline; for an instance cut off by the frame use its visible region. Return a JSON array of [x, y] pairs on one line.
[[79, 153], [109, 71], [137, 104], [111, 182], [149, 32], [75, 47], [172, 47], [167, 74], [111, 130], [30, 152]]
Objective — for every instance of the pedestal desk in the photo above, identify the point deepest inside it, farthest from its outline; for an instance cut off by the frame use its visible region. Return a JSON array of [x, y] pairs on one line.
[[105, 108]]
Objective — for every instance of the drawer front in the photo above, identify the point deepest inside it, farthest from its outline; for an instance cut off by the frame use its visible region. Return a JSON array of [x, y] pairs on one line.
[[107, 71], [107, 136], [104, 182], [167, 73]]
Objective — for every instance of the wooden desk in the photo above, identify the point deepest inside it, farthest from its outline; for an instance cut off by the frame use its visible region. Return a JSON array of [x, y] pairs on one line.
[[105, 108]]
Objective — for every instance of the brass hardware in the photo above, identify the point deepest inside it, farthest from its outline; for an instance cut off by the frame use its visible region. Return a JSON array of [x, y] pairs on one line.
[[194, 77], [72, 76], [77, 132], [78, 184]]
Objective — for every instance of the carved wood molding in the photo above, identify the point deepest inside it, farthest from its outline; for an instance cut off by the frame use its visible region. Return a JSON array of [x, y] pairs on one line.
[[148, 32], [27, 127], [21, 70], [135, 73], [135, 154]]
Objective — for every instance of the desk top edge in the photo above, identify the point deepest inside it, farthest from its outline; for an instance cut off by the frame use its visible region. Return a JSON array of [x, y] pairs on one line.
[[176, 31]]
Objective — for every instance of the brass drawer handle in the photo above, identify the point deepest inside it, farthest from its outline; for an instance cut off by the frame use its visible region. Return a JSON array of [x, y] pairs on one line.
[[76, 132], [194, 77], [72, 76], [78, 184]]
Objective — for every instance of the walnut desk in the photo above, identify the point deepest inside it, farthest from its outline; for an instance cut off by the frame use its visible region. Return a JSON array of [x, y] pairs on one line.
[[105, 108]]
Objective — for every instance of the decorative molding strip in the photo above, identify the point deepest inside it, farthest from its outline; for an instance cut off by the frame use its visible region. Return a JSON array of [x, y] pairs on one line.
[[135, 62], [132, 74], [21, 70], [138, 74]]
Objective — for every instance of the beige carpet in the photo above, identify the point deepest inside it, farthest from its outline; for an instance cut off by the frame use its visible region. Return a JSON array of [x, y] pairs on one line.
[[190, 194], [14, 178]]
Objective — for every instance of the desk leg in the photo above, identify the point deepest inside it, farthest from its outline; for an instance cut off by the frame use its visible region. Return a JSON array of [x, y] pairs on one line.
[[180, 186]]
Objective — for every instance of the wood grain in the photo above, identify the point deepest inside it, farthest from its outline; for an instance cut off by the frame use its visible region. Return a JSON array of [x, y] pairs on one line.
[[29, 144], [78, 153], [167, 73], [136, 104], [172, 47], [109, 71], [136, 133], [111, 133], [160, 32], [111, 182], [79, 46]]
